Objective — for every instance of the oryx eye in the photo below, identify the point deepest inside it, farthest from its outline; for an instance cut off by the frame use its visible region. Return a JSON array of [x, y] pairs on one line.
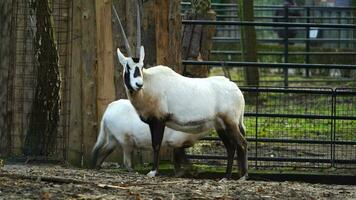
[[137, 72]]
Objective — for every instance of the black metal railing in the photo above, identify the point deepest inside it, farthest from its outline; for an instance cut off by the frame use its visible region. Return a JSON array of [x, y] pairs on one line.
[[306, 128]]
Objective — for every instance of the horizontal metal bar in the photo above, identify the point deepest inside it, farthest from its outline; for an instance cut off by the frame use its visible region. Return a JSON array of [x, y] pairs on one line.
[[300, 40], [288, 141], [289, 53], [328, 91], [305, 80], [307, 90], [249, 23], [296, 116], [301, 29], [276, 6], [267, 65], [296, 40], [289, 17], [277, 159]]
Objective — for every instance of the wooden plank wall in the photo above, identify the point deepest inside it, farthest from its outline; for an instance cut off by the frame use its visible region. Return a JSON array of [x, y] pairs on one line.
[[91, 71]]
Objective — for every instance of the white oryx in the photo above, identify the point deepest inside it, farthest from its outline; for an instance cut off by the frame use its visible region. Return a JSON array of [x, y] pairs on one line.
[[164, 98], [121, 126]]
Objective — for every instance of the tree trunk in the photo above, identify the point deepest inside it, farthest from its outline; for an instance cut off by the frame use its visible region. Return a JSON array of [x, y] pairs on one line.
[[42, 132], [5, 55], [354, 35], [249, 49], [168, 34], [197, 39]]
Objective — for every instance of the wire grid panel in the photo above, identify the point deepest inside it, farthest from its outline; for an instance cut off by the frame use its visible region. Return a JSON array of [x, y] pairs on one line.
[[290, 127], [25, 71], [293, 127], [345, 126]]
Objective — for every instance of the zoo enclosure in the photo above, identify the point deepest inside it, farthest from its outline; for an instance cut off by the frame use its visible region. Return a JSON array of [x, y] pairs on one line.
[[335, 144], [288, 126]]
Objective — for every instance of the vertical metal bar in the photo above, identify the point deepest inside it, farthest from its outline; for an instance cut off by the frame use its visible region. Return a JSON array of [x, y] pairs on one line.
[[307, 43], [333, 126], [256, 127], [285, 69]]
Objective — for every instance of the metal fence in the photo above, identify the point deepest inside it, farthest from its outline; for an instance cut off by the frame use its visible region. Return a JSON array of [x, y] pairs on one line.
[[293, 127], [319, 31], [289, 127], [23, 72]]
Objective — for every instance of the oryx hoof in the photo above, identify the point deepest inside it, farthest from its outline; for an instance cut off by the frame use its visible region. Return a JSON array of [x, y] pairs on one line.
[[152, 173]]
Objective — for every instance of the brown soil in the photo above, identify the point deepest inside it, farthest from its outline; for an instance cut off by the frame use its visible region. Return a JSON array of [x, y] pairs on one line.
[[57, 182]]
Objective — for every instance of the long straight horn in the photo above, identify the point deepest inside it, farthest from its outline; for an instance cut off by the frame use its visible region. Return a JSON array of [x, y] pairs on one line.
[[128, 49], [138, 24]]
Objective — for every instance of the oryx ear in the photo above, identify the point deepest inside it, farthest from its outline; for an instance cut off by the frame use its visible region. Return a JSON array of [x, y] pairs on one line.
[[142, 54], [122, 58]]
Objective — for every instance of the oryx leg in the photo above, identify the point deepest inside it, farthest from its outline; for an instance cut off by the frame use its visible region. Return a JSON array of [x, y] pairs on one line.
[[241, 148], [230, 149], [102, 152], [180, 158], [157, 130], [128, 151]]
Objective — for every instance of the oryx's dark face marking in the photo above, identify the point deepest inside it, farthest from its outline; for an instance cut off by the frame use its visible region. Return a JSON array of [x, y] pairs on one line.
[[133, 78]]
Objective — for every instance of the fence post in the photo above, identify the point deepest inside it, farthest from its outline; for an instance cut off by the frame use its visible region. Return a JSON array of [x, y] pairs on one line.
[[105, 56], [256, 126], [286, 44], [333, 127], [307, 43], [74, 141]]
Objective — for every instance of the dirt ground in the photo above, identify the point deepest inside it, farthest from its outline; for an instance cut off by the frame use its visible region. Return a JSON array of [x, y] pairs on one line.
[[57, 182]]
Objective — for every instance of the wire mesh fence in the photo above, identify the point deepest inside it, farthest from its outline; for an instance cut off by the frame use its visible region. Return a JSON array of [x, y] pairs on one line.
[[24, 70], [293, 128]]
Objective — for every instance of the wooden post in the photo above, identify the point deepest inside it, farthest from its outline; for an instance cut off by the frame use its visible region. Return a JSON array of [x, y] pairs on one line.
[[89, 81], [74, 145], [92, 84], [83, 108], [105, 69], [168, 36], [105, 72]]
